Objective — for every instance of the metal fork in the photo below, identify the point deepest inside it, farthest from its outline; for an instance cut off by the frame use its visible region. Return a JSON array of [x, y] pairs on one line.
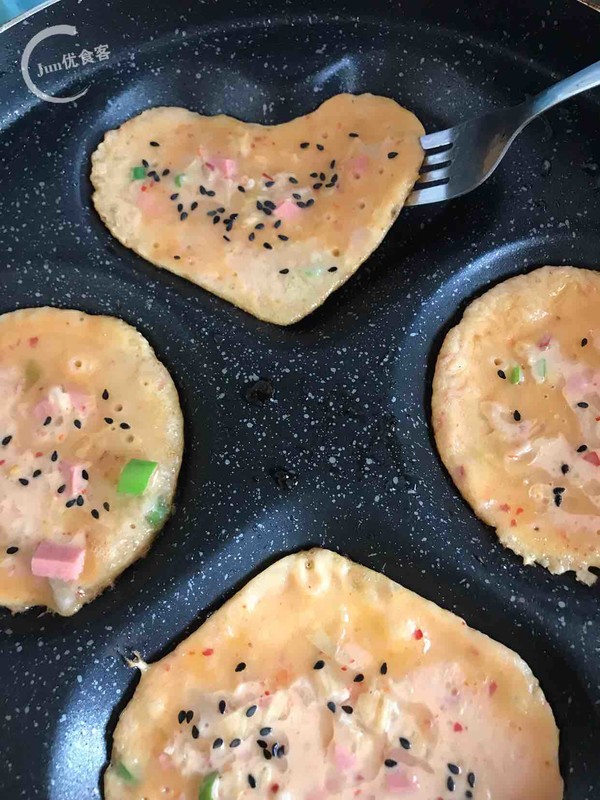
[[459, 159]]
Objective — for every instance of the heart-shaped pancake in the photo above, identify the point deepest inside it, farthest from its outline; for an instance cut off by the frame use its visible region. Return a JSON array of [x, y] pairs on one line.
[[322, 679], [271, 218]]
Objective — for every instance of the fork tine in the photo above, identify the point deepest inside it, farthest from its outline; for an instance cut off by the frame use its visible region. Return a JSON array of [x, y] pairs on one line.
[[437, 158], [429, 194], [437, 139], [434, 175]]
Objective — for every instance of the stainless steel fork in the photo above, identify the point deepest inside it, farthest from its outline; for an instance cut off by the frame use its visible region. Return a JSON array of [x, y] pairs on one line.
[[459, 159]]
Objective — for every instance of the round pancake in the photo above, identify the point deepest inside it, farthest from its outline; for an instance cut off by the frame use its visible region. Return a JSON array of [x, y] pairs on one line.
[[322, 679], [80, 397], [516, 413], [271, 218]]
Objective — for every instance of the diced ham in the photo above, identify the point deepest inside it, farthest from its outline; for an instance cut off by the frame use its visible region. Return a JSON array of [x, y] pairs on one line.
[[358, 165], [73, 477], [287, 210], [59, 401], [592, 458], [226, 166], [61, 561], [401, 782], [343, 758]]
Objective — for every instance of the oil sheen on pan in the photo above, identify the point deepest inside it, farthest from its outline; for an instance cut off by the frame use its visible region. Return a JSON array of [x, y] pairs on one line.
[[516, 414], [272, 219], [323, 679], [89, 456]]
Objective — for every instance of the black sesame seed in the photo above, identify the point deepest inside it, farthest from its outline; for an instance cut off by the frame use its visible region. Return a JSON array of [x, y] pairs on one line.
[[227, 239], [471, 779], [12, 550], [108, 420], [267, 246], [181, 717], [347, 709], [277, 224], [332, 164], [268, 184], [404, 743], [516, 416], [259, 205], [584, 341], [250, 712], [152, 173], [564, 468], [77, 423], [210, 213], [557, 499], [189, 716], [502, 374], [95, 513], [54, 456], [252, 781], [450, 784], [292, 180], [383, 668], [210, 193], [61, 489], [265, 731], [296, 196], [353, 135], [106, 506], [202, 190], [220, 210], [267, 755], [36, 473], [282, 237], [222, 706], [304, 145], [241, 189], [174, 196], [454, 769], [252, 236], [105, 394], [23, 481], [216, 219], [176, 258], [269, 204], [319, 664], [310, 202], [582, 448], [558, 489], [235, 743], [154, 144], [179, 206], [359, 678], [145, 163], [331, 706], [194, 205], [320, 147], [283, 271], [261, 743], [281, 751], [240, 667], [156, 178], [393, 154], [125, 426], [468, 794], [389, 762], [195, 732], [183, 216], [166, 172], [314, 174], [332, 269], [259, 226], [317, 185], [85, 475], [322, 176], [218, 742], [583, 404], [80, 501], [48, 420]]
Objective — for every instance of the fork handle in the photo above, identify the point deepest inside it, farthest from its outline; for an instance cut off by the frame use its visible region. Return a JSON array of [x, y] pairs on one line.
[[581, 81]]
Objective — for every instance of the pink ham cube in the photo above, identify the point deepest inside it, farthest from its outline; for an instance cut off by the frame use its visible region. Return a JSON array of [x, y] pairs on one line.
[[53, 560], [226, 166], [73, 477], [287, 210], [358, 165]]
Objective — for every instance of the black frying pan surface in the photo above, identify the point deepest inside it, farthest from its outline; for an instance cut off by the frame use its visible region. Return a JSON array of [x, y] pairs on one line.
[[350, 414]]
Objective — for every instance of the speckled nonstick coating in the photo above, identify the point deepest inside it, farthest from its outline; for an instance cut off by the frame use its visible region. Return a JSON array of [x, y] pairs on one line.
[[350, 413]]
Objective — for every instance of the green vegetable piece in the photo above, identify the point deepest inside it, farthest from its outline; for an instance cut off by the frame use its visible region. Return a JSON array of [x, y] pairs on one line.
[[138, 174], [179, 180], [135, 476], [541, 368], [124, 773], [207, 785], [32, 374], [516, 374], [157, 515]]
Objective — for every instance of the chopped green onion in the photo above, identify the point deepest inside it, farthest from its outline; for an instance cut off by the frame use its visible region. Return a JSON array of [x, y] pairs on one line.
[[179, 180], [138, 173], [124, 773], [516, 374], [206, 788], [541, 368], [32, 373], [158, 514], [135, 476]]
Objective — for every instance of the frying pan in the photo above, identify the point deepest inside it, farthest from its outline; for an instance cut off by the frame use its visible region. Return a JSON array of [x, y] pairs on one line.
[[350, 411]]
